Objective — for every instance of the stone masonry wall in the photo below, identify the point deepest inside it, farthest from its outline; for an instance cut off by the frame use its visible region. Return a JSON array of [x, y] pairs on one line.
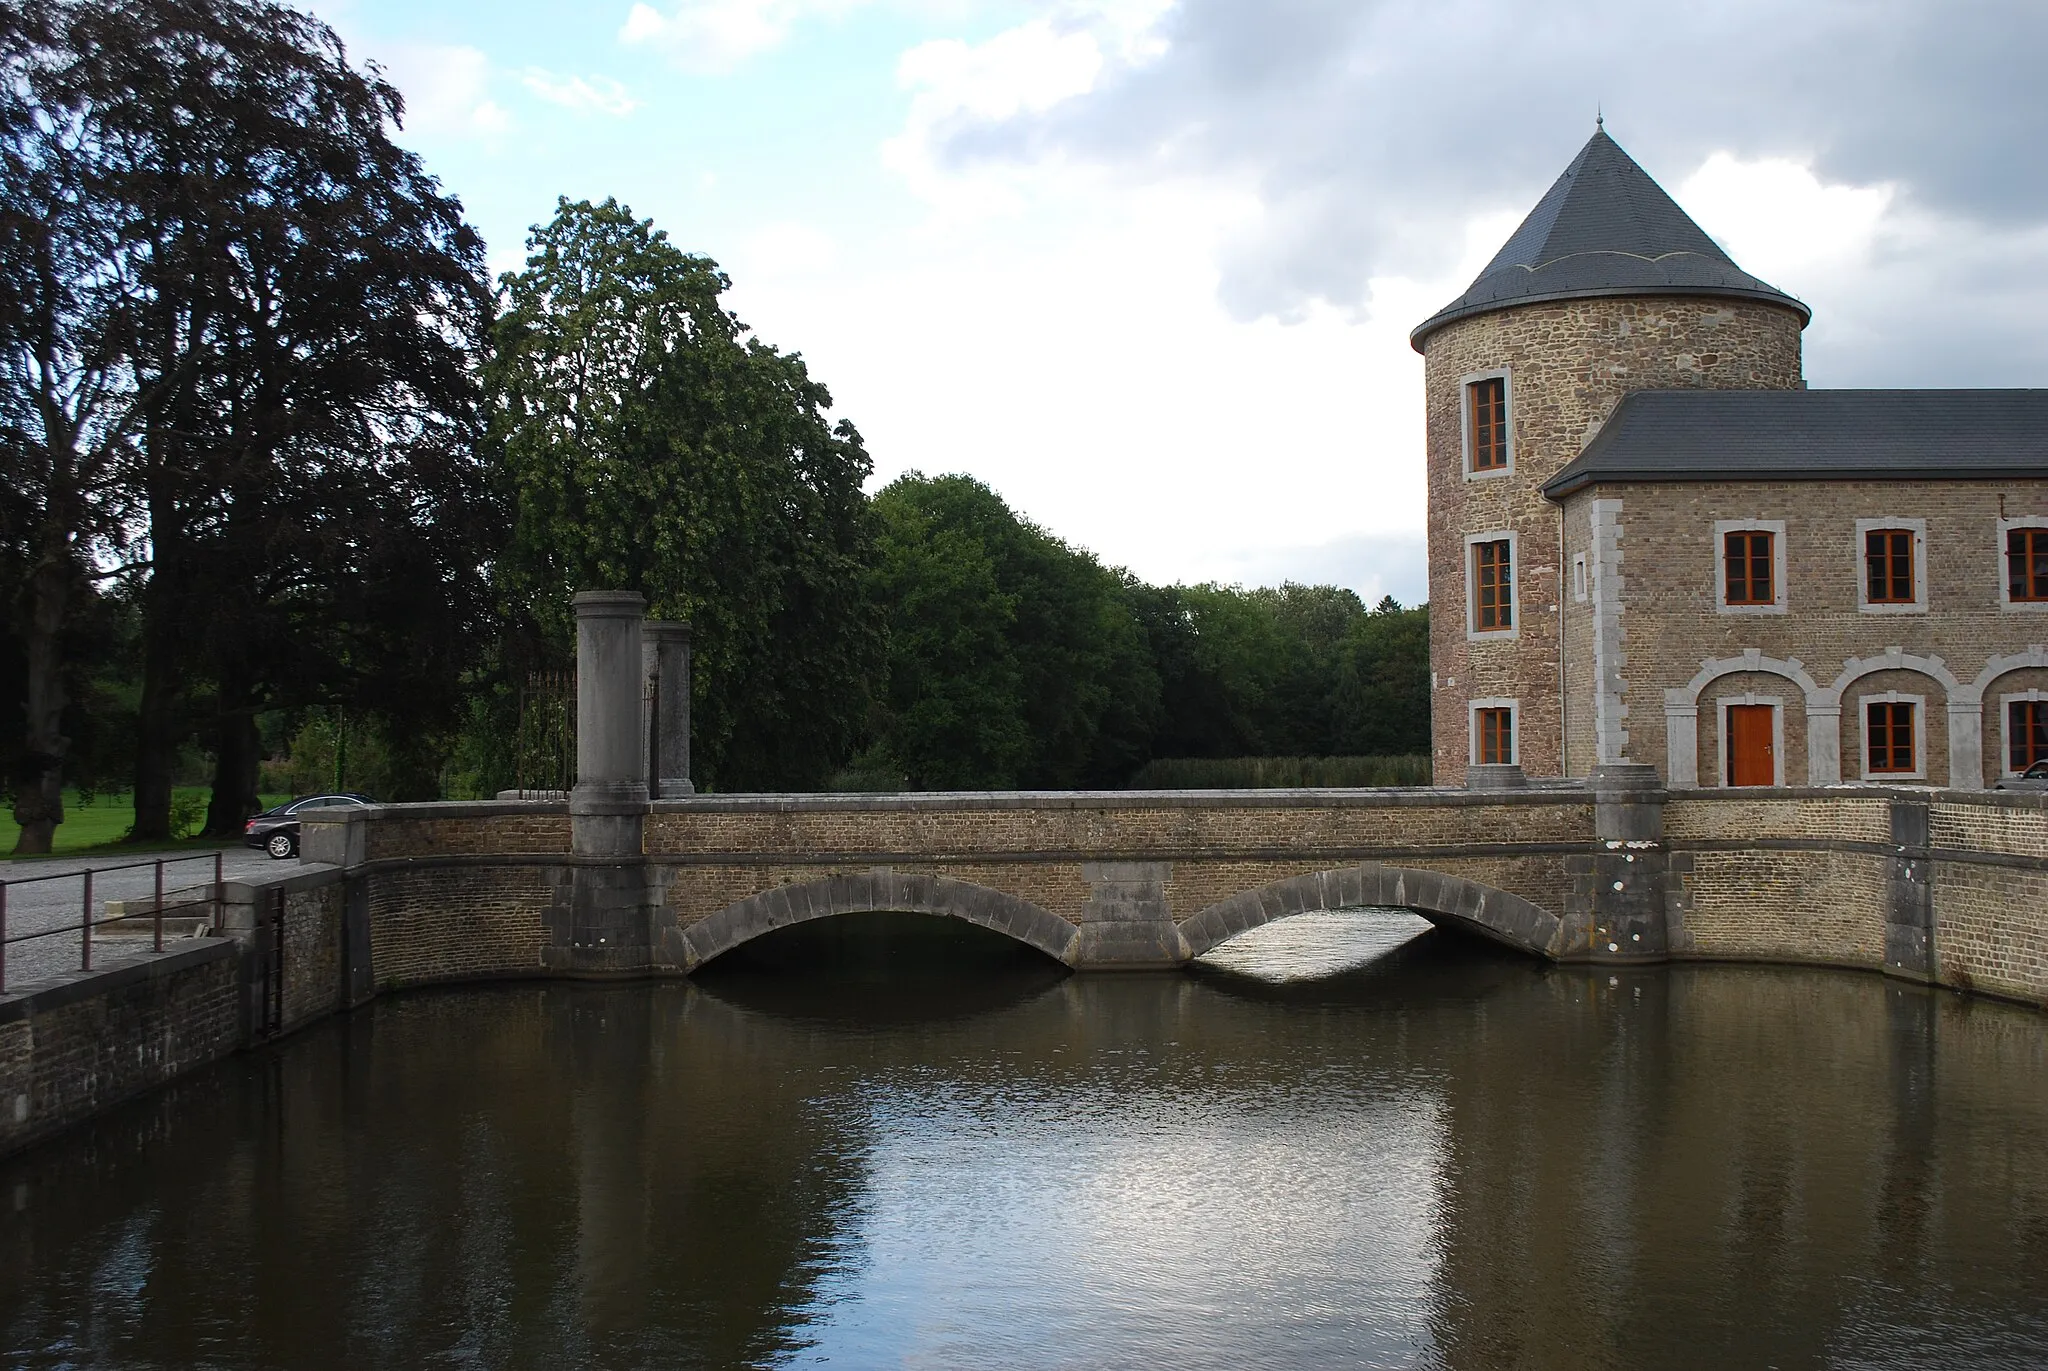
[[1991, 917], [1765, 877], [84, 1044], [455, 923], [1674, 626], [312, 954], [1569, 363], [446, 830]]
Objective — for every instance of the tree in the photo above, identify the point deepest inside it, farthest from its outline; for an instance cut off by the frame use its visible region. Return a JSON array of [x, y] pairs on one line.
[[70, 401], [277, 312], [1385, 688], [1014, 659], [650, 443]]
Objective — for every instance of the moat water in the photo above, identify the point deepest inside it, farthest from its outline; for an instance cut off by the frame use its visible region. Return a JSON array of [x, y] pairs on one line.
[[1340, 1141]]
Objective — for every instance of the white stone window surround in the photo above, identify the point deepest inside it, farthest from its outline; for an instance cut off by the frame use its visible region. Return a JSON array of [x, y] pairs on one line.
[[1580, 579], [1918, 528], [1474, 633], [1774, 527], [2005, 600], [1514, 709], [1777, 704], [2005, 704], [1505, 375], [1893, 697]]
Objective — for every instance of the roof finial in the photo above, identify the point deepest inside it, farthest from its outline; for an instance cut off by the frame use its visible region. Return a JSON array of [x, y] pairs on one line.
[[1599, 119]]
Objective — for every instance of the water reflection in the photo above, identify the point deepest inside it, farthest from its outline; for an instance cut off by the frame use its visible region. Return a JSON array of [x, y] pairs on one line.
[[1427, 1153]]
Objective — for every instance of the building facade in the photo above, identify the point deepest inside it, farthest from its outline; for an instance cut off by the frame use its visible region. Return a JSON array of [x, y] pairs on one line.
[[1649, 542]]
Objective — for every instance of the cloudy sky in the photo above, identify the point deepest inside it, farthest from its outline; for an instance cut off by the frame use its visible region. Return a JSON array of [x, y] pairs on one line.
[[1148, 266]]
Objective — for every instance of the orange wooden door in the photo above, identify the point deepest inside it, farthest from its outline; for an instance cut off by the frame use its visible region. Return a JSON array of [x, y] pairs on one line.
[[1751, 759]]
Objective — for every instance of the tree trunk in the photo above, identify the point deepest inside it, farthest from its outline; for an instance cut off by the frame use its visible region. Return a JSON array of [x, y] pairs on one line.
[[39, 784], [158, 728], [238, 756]]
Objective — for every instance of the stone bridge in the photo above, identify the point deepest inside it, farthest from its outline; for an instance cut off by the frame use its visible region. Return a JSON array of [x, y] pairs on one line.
[[1106, 879]]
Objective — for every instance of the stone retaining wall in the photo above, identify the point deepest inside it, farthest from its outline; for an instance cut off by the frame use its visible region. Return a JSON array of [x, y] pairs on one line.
[[74, 1045]]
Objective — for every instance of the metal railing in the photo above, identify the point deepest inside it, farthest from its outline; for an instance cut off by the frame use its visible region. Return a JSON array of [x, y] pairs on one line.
[[82, 927]]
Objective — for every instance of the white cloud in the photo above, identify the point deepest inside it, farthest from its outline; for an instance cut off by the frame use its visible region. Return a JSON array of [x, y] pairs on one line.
[[717, 35], [1024, 70], [1021, 72], [1779, 220], [584, 95], [446, 90]]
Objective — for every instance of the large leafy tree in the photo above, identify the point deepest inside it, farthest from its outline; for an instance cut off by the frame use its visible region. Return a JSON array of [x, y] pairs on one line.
[[650, 442], [71, 404], [274, 313], [1014, 659]]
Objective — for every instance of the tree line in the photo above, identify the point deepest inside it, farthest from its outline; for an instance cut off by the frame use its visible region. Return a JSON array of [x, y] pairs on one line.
[[277, 450]]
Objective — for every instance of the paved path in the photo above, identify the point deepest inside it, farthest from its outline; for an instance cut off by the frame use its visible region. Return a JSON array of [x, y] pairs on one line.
[[34, 904]]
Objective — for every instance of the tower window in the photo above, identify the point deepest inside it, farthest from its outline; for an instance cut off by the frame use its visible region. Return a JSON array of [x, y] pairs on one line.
[[1486, 402], [1888, 733], [2026, 733], [2026, 565], [1888, 566], [1748, 555], [1494, 740], [1493, 586]]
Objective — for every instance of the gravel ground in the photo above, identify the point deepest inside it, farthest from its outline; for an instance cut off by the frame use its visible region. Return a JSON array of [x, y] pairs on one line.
[[35, 905]]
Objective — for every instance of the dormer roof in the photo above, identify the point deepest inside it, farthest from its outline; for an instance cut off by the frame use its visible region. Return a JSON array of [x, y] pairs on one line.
[[1604, 228]]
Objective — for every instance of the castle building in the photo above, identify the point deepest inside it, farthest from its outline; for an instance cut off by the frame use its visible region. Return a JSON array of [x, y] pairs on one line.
[[1650, 543]]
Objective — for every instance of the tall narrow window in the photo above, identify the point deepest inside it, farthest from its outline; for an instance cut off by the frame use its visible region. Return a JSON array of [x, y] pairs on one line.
[[1493, 586], [1888, 566], [1487, 402], [1747, 553], [2026, 564], [1889, 731], [2026, 733], [1496, 736]]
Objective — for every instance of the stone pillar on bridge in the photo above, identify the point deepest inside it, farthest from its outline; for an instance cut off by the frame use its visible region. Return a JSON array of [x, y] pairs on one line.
[[605, 926], [666, 658], [1620, 897]]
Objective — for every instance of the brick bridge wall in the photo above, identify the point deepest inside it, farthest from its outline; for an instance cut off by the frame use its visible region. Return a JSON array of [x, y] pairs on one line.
[[1947, 887], [1814, 876]]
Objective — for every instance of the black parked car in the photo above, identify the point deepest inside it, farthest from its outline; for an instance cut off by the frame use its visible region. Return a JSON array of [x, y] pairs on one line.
[[276, 831]]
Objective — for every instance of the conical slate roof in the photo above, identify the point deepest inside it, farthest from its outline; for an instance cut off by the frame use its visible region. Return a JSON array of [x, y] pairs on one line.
[[1604, 228]]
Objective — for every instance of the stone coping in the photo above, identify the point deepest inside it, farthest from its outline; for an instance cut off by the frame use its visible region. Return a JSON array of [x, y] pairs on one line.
[[70, 987], [1992, 799], [1549, 792]]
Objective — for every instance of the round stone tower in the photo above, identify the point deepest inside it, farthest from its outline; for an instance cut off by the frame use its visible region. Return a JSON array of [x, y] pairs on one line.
[[1607, 287]]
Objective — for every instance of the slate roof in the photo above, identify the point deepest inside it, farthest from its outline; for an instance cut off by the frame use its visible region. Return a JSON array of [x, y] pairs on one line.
[[1604, 228], [1815, 435]]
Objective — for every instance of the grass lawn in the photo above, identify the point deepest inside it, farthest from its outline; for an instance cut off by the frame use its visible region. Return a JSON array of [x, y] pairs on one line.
[[107, 820]]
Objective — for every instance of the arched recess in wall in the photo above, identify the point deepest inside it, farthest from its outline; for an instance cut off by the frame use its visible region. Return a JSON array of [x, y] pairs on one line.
[[1985, 692], [872, 892], [1964, 732], [1682, 709], [1496, 914]]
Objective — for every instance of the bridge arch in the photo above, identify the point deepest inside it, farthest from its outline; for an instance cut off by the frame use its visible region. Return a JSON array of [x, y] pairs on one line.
[[876, 892], [1483, 909]]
